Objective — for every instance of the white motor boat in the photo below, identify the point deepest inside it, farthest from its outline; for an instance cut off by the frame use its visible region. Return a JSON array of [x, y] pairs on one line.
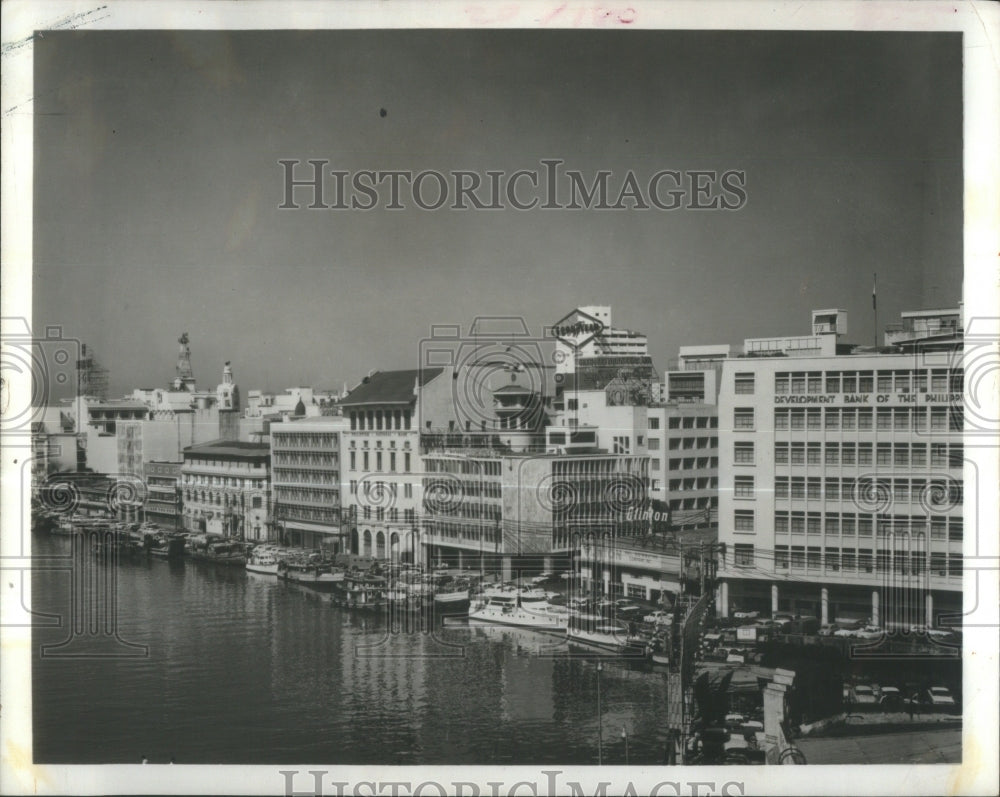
[[508, 609]]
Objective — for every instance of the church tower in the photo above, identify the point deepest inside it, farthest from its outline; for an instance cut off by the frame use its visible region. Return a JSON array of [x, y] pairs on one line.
[[185, 373]]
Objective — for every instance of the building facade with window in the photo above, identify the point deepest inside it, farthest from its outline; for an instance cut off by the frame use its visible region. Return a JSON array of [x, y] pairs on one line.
[[682, 440], [163, 494], [530, 511], [306, 506], [841, 482], [381, 462], [224, 489]]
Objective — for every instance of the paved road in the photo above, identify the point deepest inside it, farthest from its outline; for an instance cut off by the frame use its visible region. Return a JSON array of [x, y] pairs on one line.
[[912, 747]]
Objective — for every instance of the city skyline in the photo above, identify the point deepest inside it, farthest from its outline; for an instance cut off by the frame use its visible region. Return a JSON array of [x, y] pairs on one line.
[[156, 211]]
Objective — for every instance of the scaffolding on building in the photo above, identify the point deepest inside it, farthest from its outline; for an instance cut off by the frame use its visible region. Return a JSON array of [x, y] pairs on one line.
[[92, 377]]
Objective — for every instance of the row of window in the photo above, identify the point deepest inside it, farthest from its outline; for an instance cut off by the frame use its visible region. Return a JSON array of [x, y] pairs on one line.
[[456, 531], [930, 493], [307, 513], [692, 463], [381, 488], [314, 459], [902, 419], [847, 525], [391, 514], [699, 502], [688, 422], [896, 454], [220, 499], [223, 481], [464, 466], [379, 461], [689, 443], [380, 419], [308, 495], [465, 509], [938, 380], [860, 560], [305, 476], [702, 483], [304, 440]]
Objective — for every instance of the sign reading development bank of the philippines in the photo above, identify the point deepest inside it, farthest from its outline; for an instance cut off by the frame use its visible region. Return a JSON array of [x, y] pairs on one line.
[[849, 399]]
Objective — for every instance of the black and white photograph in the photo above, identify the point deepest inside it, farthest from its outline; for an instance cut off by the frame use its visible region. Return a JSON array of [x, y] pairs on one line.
[[498, 399]]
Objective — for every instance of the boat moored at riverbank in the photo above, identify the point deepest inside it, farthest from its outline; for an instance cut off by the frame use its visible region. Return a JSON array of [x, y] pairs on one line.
[[508, 609]]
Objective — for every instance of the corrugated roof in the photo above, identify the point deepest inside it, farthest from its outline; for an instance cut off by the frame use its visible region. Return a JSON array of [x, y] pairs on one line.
[[389, 387]]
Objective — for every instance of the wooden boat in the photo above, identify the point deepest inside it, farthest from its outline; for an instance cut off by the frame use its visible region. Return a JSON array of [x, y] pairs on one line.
[[222, 552], [362, 591], [166, 546], [317, 575]]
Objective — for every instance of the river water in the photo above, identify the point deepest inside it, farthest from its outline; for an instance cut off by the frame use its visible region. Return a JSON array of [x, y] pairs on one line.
[[212, 665]]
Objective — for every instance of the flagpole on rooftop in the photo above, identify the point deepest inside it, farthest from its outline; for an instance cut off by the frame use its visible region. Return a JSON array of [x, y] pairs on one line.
[[875, 306]]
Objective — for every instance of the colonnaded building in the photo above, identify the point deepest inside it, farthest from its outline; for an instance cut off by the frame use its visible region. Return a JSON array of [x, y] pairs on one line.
[[841, 474]]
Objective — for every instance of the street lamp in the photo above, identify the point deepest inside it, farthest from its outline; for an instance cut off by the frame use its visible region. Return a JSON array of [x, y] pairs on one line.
[[600, 729]]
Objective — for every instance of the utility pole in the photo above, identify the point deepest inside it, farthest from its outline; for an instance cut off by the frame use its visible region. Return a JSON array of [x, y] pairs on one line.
[[600, 729], [701, 568]]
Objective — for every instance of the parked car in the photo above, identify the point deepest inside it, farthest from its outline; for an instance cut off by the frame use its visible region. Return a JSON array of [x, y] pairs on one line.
[[939, 696], [846, 631], [541, 578], [891, 698], [736, 656], [863, 694], [828, 630], [735, 721], [869, 632], [746, 615]]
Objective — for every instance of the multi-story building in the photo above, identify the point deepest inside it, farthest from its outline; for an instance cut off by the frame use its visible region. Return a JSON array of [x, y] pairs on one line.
[[380, 455], [163, 494], [682, 440], [306, 482], [606, 342], [694, 375], [224, 489], [841, 477], [525, 511], [294, 401]]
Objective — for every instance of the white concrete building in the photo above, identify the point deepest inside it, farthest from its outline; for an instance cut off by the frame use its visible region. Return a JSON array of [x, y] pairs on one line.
[[841, 479], [306, 505], [224, 489]]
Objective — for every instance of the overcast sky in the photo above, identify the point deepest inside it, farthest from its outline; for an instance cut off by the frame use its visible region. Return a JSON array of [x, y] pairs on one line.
[[157, 187]]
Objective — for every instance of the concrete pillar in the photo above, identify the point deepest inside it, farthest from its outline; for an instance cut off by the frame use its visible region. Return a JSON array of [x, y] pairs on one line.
[[649, 593], [774, 599], [774, 715], [929, 610], [505, 568], [722, 605], [824, 606], [547, 563], [461, 560], [875, 616], [606, 581]]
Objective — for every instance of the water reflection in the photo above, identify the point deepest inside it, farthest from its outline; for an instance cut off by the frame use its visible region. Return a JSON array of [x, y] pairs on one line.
[[243, 668]]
